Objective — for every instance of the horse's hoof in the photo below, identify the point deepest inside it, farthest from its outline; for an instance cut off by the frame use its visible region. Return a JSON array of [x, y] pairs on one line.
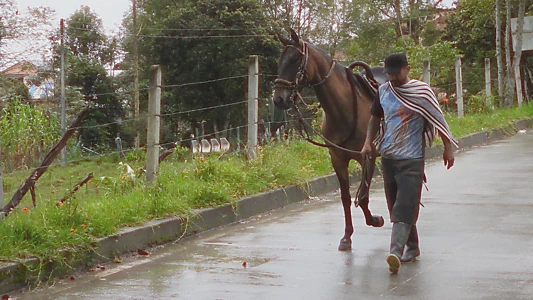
[[377, 221], [345, 244]]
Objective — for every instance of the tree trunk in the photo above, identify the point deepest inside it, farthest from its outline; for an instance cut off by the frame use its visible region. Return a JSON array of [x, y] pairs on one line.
[[509, 88], [519, 38], [397, 9], [499, 58]]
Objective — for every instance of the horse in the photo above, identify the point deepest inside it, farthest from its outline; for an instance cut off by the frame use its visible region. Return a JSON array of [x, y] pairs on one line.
[[346, 100]]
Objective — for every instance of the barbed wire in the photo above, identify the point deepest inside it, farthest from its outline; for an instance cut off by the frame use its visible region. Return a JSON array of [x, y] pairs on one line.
[[197, 29], [203, 82], [204, 36], [172, 85], [125, 151], [203, 109]]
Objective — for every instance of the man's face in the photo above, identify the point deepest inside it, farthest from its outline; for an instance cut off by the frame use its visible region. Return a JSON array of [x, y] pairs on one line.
[[400, 77]]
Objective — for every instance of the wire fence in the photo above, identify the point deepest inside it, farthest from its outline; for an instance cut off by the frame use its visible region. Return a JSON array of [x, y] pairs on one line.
[[236, 133]]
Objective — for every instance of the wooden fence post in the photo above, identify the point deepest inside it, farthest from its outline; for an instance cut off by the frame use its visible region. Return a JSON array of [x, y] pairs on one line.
[[427, 74], [154, 111], [459, 87], [253, 109]]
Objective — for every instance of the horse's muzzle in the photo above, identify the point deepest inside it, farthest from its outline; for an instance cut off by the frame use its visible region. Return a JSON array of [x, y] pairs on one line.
[[283, 103]]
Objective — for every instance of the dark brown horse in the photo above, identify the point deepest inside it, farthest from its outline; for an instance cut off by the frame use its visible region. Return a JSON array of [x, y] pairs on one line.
[[346, 101]]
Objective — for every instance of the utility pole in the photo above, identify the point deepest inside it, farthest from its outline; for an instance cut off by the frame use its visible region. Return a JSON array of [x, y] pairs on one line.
[[135, 71], [63, 100]]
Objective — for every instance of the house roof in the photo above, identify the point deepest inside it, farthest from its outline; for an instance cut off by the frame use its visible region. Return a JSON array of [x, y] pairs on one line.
[[20, 70]]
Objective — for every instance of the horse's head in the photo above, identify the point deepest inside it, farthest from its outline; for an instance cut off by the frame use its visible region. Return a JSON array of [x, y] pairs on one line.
[[291, 71]]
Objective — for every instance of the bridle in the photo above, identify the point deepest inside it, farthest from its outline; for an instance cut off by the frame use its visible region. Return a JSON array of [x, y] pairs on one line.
[[296, 86], [301, 76]]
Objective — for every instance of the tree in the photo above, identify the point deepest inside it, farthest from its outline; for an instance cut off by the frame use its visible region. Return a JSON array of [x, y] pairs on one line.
[[471, 28], [21, 26], [513, 63], [88, 51], [509, 83], [499, 55], [207, 40]]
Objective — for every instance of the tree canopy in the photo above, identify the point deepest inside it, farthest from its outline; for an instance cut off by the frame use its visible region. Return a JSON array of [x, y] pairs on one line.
[[88, 51], [207, 40]]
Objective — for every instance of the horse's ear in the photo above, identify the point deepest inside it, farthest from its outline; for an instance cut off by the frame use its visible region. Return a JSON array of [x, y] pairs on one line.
[[295, 37], [285, 41]]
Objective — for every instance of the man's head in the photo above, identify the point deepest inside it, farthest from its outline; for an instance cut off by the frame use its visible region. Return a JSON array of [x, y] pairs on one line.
[[397, 68]]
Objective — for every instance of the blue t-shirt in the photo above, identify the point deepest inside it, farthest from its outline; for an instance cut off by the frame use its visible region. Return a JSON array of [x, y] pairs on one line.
[[403, 128]]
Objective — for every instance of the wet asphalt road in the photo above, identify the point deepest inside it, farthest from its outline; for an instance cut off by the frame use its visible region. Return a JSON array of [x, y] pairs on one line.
[[476, 237]]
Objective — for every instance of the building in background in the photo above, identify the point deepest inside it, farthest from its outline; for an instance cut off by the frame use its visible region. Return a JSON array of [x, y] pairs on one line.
[[39, 89]]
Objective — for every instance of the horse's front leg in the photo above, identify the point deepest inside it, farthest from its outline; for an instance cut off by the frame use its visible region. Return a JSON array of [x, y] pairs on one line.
[[341, 169], [362, 197]]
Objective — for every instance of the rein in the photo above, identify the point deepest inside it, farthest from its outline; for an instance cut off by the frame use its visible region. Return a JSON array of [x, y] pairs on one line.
[[306, 125]]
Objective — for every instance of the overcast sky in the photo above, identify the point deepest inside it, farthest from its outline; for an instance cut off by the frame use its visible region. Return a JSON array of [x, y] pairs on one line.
[[111, 11]]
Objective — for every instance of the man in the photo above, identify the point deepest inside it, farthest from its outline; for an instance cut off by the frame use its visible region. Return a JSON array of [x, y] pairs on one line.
[[405, 118]]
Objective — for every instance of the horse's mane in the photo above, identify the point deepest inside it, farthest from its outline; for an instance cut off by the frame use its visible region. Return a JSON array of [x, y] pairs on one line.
[[355, 79]]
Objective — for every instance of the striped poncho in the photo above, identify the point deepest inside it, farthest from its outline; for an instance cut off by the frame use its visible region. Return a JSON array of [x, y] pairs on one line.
[[418, 96]]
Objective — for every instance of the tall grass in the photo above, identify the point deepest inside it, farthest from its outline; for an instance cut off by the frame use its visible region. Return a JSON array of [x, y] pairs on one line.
[[25, 134]]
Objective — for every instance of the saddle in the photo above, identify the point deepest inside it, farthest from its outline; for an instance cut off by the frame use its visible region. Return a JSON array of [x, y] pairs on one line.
[[370, 79]]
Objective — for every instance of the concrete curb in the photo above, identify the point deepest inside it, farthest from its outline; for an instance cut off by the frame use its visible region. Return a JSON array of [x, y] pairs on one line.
[[14, 275]]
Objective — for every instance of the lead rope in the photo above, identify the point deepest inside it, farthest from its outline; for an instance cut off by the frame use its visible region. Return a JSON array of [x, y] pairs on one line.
[[305, 125]]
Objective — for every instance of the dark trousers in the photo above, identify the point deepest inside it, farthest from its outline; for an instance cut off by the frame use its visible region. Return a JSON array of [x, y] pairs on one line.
[[403, 181]]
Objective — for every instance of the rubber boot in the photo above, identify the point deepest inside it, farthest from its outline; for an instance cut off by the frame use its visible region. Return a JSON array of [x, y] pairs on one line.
[[412, 250], [400, 233]]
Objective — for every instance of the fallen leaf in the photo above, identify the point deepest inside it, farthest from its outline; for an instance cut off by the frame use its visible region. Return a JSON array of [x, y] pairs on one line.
[[244, 265], [142, 252]]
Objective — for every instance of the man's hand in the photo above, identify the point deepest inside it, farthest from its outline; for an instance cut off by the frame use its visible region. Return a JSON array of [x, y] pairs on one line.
[[367, 150], [448, 157]]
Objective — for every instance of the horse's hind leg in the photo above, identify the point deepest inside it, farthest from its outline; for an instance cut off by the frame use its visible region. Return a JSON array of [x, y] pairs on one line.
[[341, 169], [362, 197]]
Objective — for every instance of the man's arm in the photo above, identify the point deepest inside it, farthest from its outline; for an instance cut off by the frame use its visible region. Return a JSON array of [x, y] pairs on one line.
[[376, 113], [447, 155], [371, 132]]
